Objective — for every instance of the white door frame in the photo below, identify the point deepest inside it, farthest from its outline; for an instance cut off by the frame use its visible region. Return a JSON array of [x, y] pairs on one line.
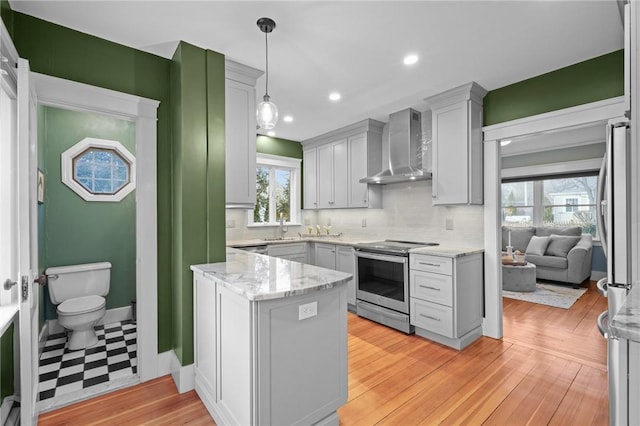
[[71, 95], [581, 115]]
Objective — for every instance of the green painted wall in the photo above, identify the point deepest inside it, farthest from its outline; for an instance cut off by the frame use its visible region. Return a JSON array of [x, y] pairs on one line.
[[589, 81], [79, 231], [197, 91], [65, 53], [278, 146], [6, 363]]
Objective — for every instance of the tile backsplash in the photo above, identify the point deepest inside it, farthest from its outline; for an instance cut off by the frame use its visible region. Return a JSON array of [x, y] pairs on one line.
[[407, 214]]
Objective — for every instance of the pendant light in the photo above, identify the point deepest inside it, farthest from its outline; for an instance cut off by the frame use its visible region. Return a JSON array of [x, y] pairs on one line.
[[267, 113]]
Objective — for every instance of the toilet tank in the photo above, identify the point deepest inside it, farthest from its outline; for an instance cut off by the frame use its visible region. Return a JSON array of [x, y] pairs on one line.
[[68, 282]]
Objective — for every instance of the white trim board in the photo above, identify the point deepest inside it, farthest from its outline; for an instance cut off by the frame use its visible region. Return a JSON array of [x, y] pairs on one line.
[[580, 115], [71, 95], [553, 168]]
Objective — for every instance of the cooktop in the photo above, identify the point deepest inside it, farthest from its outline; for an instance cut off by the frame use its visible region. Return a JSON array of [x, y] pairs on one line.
[[392, 246]]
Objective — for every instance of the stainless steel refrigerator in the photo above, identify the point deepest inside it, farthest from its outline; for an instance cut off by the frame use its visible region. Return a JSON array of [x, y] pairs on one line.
[[614, 228]]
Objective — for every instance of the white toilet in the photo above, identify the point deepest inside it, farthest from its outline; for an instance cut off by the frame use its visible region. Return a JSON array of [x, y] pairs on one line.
[[79, 291]]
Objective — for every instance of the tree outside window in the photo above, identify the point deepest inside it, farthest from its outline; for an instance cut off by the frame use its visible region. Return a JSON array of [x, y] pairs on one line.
[[277, 193]]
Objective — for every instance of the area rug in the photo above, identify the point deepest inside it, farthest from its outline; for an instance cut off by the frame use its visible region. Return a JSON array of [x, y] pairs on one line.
[[558, 296]]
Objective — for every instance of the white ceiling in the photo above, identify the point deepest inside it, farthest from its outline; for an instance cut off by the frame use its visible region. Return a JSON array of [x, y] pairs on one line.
[[357, 47]]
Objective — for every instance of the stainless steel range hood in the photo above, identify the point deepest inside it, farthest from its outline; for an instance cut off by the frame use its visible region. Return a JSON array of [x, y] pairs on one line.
[[405, 149]]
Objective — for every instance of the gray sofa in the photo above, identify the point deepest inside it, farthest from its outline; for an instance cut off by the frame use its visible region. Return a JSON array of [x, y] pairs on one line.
[[560, 254]]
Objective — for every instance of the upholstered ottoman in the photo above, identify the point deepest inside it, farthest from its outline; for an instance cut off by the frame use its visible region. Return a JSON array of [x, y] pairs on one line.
[[519, 277]]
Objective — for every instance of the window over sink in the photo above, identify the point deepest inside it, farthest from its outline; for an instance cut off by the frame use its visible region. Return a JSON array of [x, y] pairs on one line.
[[277, 191]]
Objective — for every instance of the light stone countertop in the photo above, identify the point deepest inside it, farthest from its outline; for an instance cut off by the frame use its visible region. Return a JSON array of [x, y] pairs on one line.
[[260, 277], [626, 322], [7, 313], [289, 240], [447, 251]]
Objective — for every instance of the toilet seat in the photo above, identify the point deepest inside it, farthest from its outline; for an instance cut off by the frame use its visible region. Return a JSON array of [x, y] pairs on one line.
[[81, 305]]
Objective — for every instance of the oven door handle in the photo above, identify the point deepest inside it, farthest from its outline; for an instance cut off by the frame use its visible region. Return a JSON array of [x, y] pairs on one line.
[[375, 256]]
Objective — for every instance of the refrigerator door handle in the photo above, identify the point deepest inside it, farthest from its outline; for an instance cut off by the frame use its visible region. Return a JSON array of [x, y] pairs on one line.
[[601, 205]]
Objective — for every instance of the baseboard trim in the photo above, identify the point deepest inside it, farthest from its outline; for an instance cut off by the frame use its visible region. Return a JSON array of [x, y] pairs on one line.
[[164, 363], [183, 376]]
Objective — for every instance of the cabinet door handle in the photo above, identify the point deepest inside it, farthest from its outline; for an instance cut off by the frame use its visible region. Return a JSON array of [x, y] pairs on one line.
[[429, 264], [430, 317], [429, 287]]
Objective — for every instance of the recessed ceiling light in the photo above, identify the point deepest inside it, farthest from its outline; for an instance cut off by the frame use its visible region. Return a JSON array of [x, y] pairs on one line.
[[335, 96], [271, 133], [410, 59], [287, 119], [505, 143]]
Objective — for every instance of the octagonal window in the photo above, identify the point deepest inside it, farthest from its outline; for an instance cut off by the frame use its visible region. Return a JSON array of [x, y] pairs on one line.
[[99, 170]]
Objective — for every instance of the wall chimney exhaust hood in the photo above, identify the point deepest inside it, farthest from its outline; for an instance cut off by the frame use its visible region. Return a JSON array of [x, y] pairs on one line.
[[405, 149]]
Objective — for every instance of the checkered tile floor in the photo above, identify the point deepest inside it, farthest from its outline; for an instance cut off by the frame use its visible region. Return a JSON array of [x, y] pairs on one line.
[[114, 356]]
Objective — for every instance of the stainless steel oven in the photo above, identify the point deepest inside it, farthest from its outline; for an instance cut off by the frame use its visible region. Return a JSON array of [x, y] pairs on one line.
[[382, 282]]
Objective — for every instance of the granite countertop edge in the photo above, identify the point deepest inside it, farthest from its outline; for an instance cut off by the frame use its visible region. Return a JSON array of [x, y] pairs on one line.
[[258, 277], [447, 251], [626, 322]]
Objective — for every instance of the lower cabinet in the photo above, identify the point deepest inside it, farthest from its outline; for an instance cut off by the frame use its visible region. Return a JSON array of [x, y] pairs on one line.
[[446, 298], [346, 262], [259, 363], [325, 255], [290, 251]]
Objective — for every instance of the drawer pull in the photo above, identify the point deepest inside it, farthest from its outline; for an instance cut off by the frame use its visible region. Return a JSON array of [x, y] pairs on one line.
[[430, 317], [429, 264], [429, 287]]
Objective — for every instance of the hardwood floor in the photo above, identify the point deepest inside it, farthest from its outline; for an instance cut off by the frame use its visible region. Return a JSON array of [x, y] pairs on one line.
[[550, 368]]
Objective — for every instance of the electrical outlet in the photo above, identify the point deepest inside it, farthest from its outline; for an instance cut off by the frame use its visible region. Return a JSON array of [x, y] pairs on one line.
[[307, 310], [364, 222], [231, 223], [449, 224], [307, 222], [329, 222]]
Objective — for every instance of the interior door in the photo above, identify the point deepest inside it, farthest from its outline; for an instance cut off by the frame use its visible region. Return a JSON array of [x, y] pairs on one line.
[[27, 244]]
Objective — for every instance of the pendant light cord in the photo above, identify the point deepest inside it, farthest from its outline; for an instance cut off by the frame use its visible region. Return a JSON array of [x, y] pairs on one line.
[[266, 60]]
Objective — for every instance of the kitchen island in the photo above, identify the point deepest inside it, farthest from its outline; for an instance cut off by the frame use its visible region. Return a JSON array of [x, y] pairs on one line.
[[270, 340]]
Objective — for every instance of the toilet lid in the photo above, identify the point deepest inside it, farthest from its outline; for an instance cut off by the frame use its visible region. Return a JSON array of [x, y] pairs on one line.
[[81, 305]]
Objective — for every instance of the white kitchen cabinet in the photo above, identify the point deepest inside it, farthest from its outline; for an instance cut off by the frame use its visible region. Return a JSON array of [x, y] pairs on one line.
[[259, 362], [310, 171], [365, 158], [346, 262], [457, 155], [446, 298], [290, 251], [240, 135], [325, 255], [335, 162], [332, 175]]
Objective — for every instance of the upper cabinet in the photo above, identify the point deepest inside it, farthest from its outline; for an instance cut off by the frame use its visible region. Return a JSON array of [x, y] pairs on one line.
[[240, 134], [335, 162], [457, 145]]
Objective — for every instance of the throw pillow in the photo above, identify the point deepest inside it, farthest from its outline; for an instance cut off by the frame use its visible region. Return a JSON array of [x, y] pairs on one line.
[[559, 245], [537, 245]]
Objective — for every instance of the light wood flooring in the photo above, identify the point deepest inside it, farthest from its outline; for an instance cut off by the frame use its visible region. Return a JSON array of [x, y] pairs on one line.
[[550, 368]]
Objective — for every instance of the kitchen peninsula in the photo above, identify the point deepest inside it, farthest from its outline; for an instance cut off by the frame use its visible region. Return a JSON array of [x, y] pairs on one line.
[[270, 340]]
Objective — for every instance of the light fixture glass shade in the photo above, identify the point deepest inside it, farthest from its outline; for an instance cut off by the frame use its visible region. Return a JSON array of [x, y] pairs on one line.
[[267, 114]]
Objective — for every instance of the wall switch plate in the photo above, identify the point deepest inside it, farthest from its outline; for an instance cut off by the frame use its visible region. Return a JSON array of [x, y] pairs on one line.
[[329, 222], [307, 222], [307, 310], [364, 222], [231, 223], [449, 225]]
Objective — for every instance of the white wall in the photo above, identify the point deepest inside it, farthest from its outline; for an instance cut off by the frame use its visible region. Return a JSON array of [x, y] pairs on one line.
[[407, 214]]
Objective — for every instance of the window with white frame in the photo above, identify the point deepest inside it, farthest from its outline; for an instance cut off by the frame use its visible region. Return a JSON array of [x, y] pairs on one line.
[[99, 170], [277, 191], [565, 201]]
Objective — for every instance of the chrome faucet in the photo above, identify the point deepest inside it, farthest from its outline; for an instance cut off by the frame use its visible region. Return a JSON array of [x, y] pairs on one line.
[[283, 227]]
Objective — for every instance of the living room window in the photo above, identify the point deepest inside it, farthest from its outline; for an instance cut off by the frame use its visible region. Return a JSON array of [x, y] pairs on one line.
[[277, 191], [563, 201]]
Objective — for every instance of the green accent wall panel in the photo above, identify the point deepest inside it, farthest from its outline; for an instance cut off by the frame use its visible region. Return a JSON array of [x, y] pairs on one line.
[[589, 81], [61, 52], [197, 90], [6, 363], [79, 231], [278, 146]]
